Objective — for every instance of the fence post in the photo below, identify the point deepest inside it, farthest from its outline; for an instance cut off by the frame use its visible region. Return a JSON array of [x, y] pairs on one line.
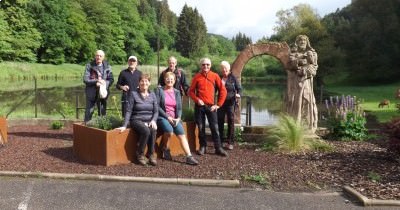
[[36, 95], [76, 105]]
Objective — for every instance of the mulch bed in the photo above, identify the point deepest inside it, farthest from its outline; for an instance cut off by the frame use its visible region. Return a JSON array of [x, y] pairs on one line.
[[365, 166]]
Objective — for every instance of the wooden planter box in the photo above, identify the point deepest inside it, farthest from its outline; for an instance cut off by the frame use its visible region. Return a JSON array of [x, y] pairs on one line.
[[3, 130], [103, 147], [112, 147]]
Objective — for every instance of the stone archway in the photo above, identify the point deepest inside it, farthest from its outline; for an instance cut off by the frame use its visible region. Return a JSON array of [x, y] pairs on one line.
[[276, 49]]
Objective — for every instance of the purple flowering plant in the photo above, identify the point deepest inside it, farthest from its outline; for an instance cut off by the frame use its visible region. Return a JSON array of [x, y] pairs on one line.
[[346, 119]]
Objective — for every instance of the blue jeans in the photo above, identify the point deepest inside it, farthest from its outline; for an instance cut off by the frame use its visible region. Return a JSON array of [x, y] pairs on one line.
[[145, 136], [166, 127], [200, 113]]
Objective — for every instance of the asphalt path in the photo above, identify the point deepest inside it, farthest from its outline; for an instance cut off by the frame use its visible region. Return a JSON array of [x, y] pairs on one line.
[[44, 193]]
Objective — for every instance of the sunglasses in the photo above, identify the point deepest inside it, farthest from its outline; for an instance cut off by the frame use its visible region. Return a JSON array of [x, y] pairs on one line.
[[132, 60], [206, 64]]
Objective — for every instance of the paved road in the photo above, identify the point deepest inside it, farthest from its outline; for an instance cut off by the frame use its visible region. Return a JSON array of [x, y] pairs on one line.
[[41, 193]]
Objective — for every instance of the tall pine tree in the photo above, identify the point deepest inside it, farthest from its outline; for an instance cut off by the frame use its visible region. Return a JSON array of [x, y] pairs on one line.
[[192, 32]]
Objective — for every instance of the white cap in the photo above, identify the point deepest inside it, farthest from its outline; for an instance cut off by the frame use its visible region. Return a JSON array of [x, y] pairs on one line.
[[132, 57]]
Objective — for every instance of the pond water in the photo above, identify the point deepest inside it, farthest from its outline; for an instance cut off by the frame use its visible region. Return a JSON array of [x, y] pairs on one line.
[[59, 99]]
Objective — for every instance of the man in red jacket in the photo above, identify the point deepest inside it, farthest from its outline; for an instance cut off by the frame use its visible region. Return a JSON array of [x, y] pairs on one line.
[[202, 91]]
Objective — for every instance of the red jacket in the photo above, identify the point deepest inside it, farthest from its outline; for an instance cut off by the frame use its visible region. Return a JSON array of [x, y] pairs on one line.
[[203, 87]]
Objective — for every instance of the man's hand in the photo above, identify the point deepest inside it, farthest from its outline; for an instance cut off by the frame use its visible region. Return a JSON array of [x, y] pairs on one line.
[[201, 102], [214, 108], [125, 88]]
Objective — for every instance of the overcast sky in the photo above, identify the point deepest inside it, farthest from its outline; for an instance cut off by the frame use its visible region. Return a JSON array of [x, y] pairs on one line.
[[255, 18]]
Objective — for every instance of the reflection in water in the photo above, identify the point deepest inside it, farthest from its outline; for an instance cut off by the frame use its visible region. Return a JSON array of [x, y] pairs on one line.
[[63, 95]]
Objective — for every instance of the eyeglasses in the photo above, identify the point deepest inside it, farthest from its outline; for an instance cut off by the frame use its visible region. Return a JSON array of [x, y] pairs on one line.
[[206, 64]]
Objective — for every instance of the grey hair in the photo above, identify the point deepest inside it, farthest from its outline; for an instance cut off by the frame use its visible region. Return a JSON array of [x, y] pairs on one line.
[[226, 65], [204, 59]]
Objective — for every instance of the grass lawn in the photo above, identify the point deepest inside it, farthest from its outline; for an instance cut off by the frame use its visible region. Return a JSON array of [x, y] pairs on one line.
[[370, 98]]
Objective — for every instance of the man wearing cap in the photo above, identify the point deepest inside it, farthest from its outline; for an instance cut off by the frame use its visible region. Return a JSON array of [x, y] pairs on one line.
[[128, 80], [97, 73]]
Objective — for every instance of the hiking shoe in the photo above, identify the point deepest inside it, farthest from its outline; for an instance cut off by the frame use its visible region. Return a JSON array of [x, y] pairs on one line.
[[191, 161], [202, 150], [221, 152], [142, 160], [153, 160], [167, 154]]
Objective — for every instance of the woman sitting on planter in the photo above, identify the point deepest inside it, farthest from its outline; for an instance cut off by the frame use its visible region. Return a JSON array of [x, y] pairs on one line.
[[142, 113], [169, 118]]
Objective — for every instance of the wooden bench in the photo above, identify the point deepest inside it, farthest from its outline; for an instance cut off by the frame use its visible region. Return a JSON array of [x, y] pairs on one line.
[[3, 130], [112, 147]]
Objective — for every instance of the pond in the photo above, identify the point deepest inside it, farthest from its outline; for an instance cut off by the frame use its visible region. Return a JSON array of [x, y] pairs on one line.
[[58, 99]]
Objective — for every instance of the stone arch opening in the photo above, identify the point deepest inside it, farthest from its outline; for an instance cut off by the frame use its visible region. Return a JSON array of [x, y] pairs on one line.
[[275, 49]]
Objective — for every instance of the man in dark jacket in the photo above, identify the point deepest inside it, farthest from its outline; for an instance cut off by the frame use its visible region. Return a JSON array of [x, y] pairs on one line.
[[128, 80], [181, 83], [97, 73]]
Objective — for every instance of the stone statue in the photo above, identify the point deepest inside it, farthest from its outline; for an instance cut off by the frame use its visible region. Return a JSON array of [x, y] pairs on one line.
[[303, 67]]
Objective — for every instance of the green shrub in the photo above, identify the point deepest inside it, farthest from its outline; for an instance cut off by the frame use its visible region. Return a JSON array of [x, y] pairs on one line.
[[107, 122], [346, 119], [287, 134], [56, 125], [187, 114]]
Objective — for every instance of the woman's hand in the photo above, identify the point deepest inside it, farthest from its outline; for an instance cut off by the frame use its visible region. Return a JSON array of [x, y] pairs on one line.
[[121, 129], [153, 125], [237, 95]]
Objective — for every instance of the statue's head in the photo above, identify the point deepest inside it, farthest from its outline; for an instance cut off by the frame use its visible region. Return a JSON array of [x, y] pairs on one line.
[[303, 43]]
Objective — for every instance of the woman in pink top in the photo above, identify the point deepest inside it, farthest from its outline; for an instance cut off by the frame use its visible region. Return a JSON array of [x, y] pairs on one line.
[[169, 118]]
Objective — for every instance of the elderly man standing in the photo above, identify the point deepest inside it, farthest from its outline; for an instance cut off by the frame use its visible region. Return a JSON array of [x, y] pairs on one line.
[[128, 80], [202, 91], [97, 73], [181, 83]]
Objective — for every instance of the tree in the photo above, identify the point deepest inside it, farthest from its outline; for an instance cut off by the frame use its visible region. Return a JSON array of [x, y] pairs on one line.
[[53, 29], [241, 41], [302, 19], [108, 26], [24, 37], [192, 33], [82, 35], [372, 41], [5, 38], [220, 45]]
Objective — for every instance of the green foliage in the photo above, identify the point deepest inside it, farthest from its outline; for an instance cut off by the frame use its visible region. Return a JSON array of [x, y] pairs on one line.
[[288, 135], [241, 41], [107, 122], [238, 135], [23, 37], [192, 32], [260, 179], [56, 125], [374, 177], [187, 114], [346, 118]]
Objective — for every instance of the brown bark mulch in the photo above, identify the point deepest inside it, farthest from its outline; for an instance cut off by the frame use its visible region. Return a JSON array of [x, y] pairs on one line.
[[365, 166]]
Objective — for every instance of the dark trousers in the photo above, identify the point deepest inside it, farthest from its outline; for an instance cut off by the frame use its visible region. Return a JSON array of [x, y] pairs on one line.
[[101, 107], [145, 136], [124, 103], [200, 113], [229, 112]]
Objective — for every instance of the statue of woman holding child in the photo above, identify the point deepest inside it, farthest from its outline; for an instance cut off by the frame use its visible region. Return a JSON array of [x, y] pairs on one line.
[[303, 67]]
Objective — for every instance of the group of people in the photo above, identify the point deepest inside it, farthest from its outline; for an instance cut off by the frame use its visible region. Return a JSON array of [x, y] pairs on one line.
[[145, 111]]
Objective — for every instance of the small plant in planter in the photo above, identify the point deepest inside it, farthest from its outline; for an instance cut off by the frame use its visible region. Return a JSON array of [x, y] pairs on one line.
[[106, 122]]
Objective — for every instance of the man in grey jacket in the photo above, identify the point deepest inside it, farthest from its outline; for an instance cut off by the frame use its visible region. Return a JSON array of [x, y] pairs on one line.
[[97, 73]]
